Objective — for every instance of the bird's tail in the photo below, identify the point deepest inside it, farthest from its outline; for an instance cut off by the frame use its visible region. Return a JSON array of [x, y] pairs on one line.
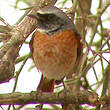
[[46, 85]]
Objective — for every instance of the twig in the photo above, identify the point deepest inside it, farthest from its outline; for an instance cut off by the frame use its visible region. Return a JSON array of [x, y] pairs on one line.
[[97, 22]]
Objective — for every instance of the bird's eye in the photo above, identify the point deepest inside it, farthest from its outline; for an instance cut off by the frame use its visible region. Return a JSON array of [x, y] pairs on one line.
[[50, 16]]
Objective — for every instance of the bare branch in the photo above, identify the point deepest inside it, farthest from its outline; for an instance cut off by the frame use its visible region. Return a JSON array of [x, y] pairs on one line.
[[81, 97]]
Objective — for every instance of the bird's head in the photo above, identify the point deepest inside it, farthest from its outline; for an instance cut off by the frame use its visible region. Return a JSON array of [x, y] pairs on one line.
[[50, 19]]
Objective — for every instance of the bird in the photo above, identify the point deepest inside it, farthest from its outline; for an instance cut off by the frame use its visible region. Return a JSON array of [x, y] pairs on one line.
[[55, 46]]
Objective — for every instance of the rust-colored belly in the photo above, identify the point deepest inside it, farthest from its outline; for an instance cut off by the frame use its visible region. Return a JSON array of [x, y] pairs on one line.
[[55, 55]]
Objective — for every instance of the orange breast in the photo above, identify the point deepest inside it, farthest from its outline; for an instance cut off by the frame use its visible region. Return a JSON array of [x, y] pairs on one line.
[[55, 55]]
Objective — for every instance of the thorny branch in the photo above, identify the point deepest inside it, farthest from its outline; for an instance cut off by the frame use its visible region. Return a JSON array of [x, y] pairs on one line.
[[10, 49]]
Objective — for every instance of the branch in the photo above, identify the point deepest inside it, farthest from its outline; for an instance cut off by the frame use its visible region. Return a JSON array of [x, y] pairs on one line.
[[81, 97], [10, 49]]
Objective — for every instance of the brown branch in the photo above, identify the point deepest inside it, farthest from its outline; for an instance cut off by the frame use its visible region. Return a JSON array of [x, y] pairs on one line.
[[81, 97], [83, 11], [10, 49]]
